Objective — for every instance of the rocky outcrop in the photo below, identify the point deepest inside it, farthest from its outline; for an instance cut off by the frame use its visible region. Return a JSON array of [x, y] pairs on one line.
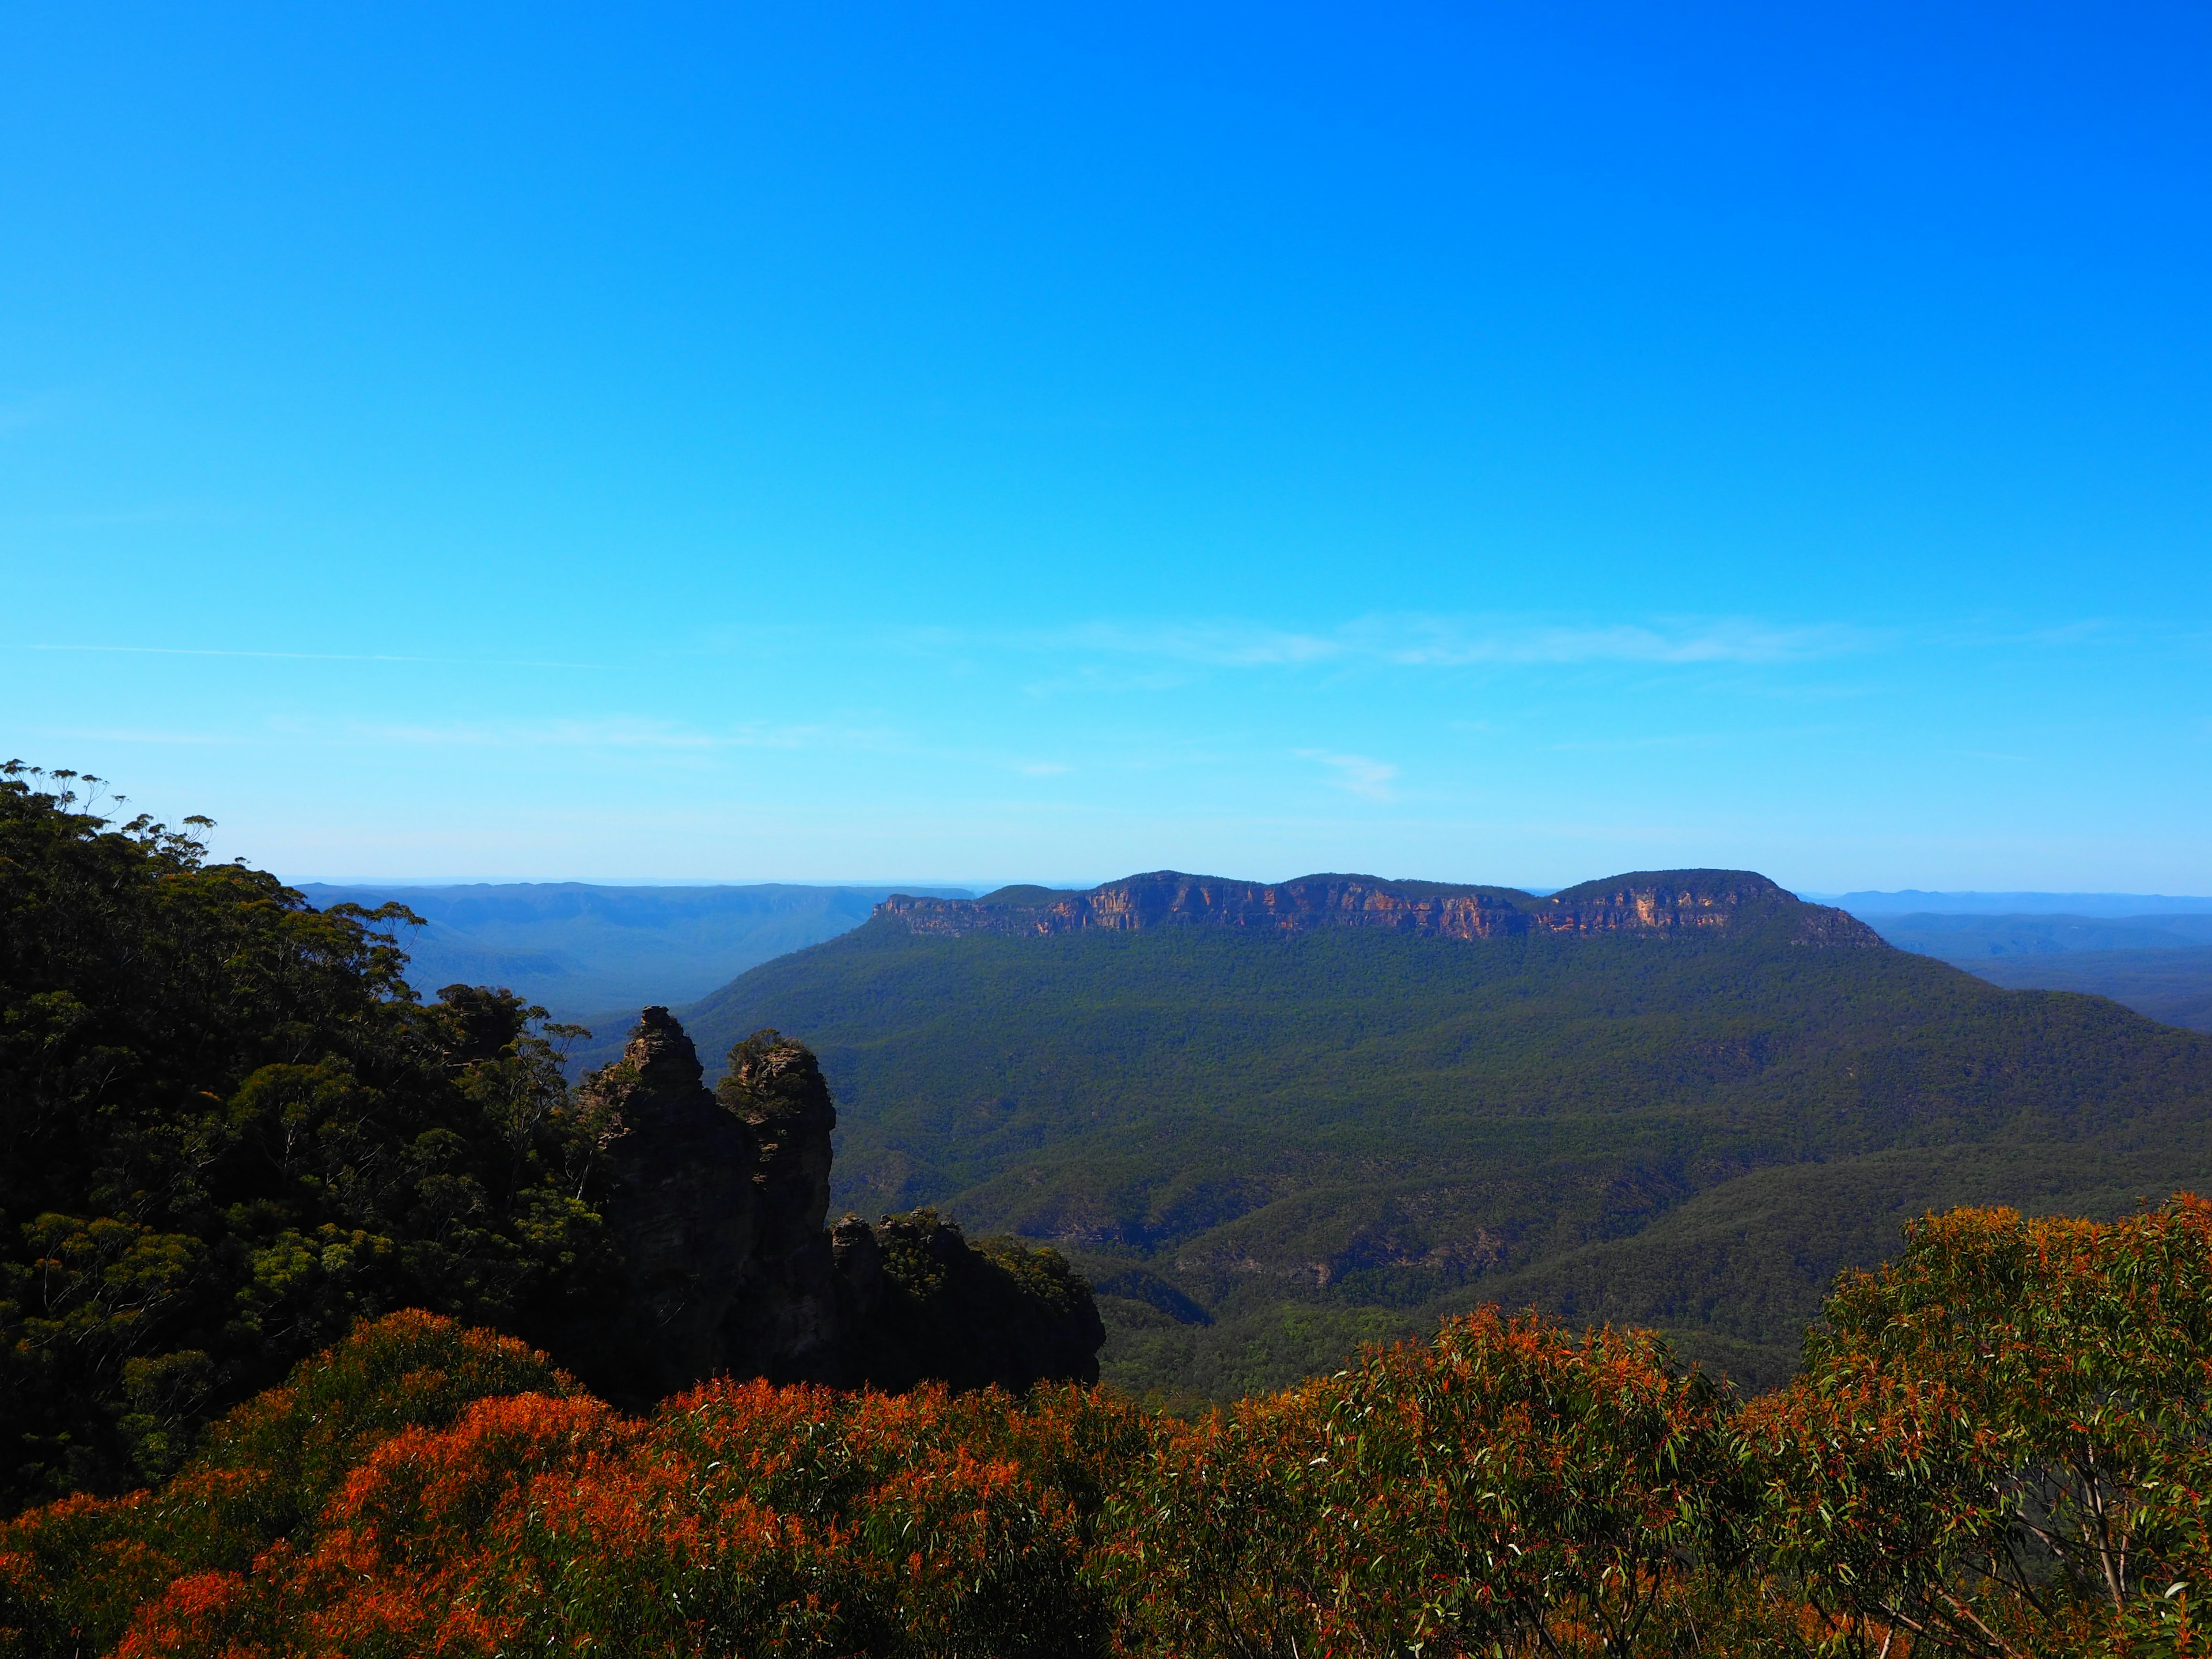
[[1167, 897], [682, 1211], [715, 1202], [776, 1089], [1690, 902], [1672, 902]]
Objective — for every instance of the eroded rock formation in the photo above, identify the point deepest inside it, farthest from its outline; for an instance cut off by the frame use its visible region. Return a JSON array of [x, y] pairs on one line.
[[682, 1209], [714, 1203]]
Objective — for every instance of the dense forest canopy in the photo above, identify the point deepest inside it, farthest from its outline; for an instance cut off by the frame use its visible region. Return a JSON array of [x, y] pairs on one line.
[[229, 1128]]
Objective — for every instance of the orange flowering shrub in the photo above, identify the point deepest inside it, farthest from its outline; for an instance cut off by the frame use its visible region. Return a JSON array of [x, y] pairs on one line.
[[1999, 1447], [2001, 1442], [741, 1518], [77, 1570], [1509, 1488]]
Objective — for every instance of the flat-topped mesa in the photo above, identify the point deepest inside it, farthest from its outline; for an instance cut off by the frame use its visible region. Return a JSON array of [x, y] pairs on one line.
[[1673, 902], [1682, 902], [1168, 897]]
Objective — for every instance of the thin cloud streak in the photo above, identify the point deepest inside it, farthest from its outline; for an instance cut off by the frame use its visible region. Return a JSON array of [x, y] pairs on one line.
[[300, 656], [1359, 775], [668, 738], [1223, 645], [144, 735], [1726, 641], [1421, 641], [652, 735]]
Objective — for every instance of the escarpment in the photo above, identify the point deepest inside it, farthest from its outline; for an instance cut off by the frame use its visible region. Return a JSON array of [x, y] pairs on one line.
[[1660, 904], [715, 1202]]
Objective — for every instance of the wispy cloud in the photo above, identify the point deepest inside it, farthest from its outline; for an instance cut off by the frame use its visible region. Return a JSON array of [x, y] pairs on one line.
[[149, 735], [1450, 642], [300, 656], [1420, 639], [18, 413], [124, 518], [1230, 645], [616, 733], [1357, 774]]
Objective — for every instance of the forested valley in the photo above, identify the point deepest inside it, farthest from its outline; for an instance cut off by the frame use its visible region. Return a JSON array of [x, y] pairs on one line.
[[334, 1321]]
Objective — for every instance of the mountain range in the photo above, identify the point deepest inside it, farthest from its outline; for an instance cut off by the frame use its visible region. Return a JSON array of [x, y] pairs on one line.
[[1916, 901], [1269, 1120], [596, 954]]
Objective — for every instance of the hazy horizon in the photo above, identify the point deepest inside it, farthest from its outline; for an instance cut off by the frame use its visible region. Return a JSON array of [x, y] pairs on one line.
[[1980, 900]]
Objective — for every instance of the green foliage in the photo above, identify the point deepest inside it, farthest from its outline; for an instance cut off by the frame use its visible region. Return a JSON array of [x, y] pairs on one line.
[[2007, 1430], [1508, 1488], [226, 1130], [1336, 1135], [970, 1314]]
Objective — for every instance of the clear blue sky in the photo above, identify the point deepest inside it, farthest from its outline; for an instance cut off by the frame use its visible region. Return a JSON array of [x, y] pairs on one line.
[[1509, 443]]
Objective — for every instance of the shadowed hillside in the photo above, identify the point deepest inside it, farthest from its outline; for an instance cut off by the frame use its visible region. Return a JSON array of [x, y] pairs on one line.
[[2159, 963]]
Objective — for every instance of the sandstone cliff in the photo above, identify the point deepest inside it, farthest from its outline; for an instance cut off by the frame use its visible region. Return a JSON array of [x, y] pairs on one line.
[[1669, 902], [714, 1203]]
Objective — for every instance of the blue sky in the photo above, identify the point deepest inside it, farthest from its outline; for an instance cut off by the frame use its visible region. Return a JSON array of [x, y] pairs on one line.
[[1494, 443]]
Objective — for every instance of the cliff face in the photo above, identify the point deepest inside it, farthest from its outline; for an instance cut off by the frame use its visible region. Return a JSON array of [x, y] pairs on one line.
[[776, 1089], [714, 1204], [1657, 903], [1167, 897]]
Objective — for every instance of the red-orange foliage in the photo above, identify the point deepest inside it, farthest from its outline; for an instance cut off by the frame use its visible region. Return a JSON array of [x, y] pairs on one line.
[[741, 1518], [1999, 1447]]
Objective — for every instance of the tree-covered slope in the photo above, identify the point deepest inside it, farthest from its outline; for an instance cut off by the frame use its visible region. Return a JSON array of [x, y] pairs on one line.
[[2168, 985], [1306, 1135], [229, 1128], [226, 1129]]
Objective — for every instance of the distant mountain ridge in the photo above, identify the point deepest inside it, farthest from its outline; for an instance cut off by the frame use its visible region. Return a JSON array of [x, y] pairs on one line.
[[2171, 984], [2158, 962], [579, 948], [1913, 900], [1960, 937], [1663, 902]]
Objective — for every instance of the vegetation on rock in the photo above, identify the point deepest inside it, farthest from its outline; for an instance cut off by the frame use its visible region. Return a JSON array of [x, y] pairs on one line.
[[229, 1130]]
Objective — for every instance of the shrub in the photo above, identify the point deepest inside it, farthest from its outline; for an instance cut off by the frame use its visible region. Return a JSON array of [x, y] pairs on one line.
[[1998, 1449], [2002, 1437], [77, 1569], [1510, 1488]]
